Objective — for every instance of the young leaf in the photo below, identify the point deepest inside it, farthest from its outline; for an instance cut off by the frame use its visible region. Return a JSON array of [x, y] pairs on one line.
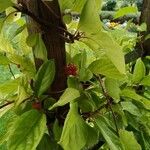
[[76, 133], [125, 10], [44, 77], [108, 134], [27, 131], [39, 49], [128, 140], [139, 71], [69, 95], [113, 89]]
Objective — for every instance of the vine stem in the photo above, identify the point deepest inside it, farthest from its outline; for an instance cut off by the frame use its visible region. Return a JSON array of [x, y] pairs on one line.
[[108, 98]]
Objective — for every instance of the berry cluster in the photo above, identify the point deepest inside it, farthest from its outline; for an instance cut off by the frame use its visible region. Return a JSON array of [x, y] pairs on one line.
[[71, 69], [37, 105]]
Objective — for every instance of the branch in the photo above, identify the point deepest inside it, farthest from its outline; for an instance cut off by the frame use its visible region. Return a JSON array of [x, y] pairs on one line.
[[8, 103], [109, 99]]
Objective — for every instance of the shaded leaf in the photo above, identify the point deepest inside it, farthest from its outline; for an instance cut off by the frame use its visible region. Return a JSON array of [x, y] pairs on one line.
[[28, 130]]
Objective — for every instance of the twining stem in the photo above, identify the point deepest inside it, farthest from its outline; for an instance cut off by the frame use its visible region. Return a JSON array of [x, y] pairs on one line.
[[108, 98]]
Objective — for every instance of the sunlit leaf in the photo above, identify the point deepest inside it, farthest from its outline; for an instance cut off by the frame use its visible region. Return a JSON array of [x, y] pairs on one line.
[[125, 10], [69, 95]]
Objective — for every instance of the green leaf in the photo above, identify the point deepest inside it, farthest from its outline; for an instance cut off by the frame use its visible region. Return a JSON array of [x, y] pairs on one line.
[[125, 10], [9, 88], [26, 64], [108, 134], [24, 91], [130, 93], [39, 49], [72, 5], [44, 77], [48, 143], [97, 38], [139, 71], [69, 95], [86, 103], [128, 140], [67, 18], [57, 130], [4, 60], [5, 4], [147, 37], [90, 19], [32, 39], [6, 122], [112, 87], [76, 133], [131, 108], [142, 28], [85, 74], [12, 15], [27, 132], [146, 81], [105, 67]]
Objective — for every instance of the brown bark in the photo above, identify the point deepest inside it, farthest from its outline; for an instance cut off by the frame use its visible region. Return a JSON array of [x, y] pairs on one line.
[[50, 12], [145, 17]]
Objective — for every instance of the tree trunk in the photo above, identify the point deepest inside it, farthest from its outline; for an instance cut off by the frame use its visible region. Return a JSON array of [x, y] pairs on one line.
[[145, 17], [49, 12]]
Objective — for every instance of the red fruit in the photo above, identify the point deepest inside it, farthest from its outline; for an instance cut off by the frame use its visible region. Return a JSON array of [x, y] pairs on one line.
[[71, 69], [37, 105]]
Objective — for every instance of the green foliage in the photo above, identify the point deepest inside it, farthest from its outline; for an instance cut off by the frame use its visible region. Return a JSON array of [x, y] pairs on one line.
[[44, 77], [30, 125], [125, 10], [109, 100]]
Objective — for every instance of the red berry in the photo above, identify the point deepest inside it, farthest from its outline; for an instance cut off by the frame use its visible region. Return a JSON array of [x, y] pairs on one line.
[[71, 69], [37, 105]]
